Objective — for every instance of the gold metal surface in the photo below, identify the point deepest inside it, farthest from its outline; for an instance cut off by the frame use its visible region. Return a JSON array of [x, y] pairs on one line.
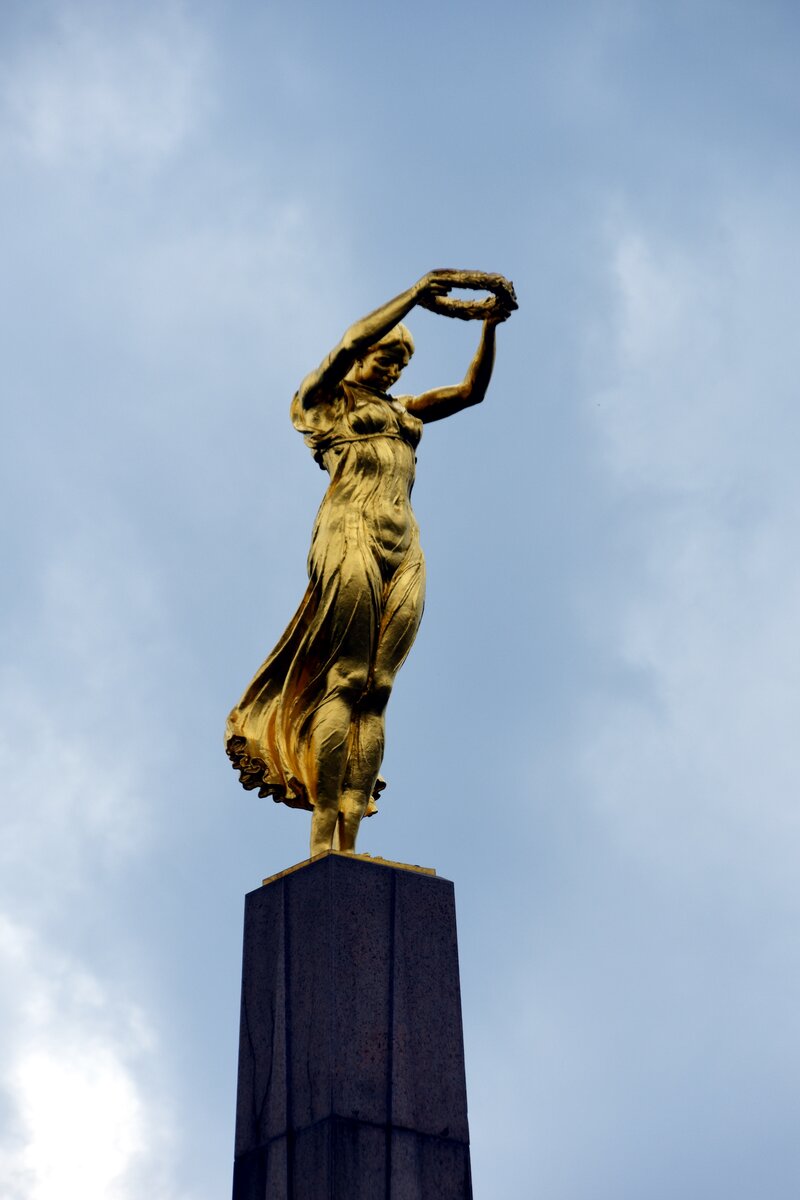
[[309, 730]]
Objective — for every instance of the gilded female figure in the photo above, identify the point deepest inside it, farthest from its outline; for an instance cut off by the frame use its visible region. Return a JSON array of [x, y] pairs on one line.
[[310, 727]]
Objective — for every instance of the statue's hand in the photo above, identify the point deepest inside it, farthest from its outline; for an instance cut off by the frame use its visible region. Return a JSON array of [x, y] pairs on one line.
[[431, 285], [498, 315]]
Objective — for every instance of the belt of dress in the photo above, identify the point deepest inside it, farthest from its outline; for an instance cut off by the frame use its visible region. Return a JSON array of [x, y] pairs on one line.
[[321, 451], [361, 437]]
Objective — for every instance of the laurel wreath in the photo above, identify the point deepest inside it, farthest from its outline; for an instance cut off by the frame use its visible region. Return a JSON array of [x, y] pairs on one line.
[[502, 301]]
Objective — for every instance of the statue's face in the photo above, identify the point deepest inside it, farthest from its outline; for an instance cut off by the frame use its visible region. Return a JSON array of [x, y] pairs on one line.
[[381, 366]]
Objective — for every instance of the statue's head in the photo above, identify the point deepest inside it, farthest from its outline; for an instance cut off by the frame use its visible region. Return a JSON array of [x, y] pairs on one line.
[[400, 335], [380, 366]]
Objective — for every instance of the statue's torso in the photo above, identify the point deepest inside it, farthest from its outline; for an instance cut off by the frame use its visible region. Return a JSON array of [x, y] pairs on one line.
[[366, 441]]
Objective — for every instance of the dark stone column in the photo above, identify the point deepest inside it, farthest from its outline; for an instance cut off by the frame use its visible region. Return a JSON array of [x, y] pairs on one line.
[[351, 1056]]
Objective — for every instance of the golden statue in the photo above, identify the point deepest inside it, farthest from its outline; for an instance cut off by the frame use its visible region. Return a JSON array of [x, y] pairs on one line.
[[309, 730]]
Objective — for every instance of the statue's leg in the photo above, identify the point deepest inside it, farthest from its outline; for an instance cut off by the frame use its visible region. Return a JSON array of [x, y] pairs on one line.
[[401, 617], [353, 632]]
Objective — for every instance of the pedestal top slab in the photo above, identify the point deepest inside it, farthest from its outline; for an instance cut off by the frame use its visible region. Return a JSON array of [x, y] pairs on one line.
[[368, 858]]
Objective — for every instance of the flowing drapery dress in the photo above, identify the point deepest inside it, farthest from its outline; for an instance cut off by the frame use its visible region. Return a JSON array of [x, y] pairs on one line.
[[365, 545]]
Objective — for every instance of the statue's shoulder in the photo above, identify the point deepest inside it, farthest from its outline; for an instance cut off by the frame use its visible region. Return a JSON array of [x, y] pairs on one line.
[[319, 417]]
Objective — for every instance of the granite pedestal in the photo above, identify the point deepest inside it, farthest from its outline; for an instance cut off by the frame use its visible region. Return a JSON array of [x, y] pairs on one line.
[[351, 1057]]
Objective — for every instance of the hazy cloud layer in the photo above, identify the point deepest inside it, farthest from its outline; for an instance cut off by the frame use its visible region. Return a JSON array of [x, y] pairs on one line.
[[595, 734], [697, 424], [97, 88], [78, 1082]]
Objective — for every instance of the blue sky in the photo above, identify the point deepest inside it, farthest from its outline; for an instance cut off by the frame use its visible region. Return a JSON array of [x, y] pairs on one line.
[[595, 735]]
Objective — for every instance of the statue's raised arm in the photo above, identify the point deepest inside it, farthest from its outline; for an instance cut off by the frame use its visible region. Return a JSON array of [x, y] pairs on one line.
[[309, 730], [317, 386]]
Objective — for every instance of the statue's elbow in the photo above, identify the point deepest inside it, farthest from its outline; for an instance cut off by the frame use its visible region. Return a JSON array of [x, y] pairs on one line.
[[475, 395], [350, 343]]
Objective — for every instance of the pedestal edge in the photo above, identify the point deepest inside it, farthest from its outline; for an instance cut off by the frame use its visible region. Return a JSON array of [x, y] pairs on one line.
[[367, 858]]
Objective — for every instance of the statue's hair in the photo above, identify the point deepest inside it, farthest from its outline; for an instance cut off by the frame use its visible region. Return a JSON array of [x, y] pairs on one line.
[[399, 334]]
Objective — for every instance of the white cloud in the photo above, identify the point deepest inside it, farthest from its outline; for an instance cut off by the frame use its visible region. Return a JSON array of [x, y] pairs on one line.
[[104, 86], [76, 1068], [66, 801], [261, 279], [701, 356], [699, 429], [70, 1107], [74, 721]]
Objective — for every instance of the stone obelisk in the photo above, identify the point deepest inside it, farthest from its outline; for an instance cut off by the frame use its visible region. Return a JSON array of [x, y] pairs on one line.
[[351, 1058]]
